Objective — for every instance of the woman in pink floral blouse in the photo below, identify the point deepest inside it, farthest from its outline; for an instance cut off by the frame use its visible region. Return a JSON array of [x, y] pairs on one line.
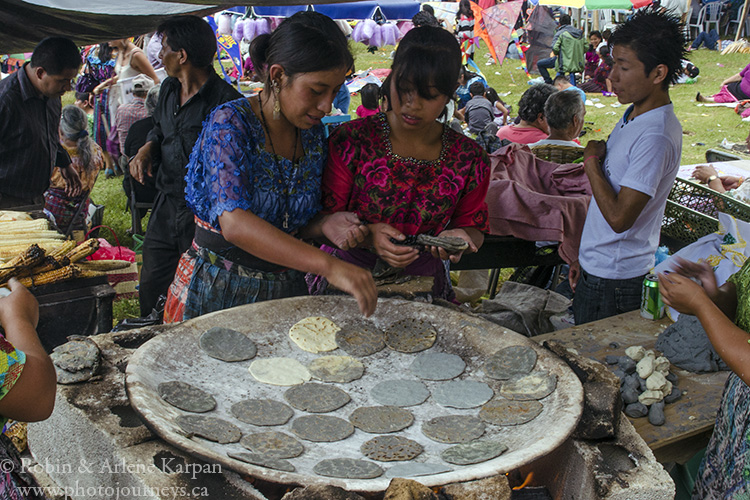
[[404, 173]]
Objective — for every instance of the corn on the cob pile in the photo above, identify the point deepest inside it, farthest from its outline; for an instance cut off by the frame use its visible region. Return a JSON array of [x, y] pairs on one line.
[[49, 263], [26, 232], [9, 252], [58, 275], [83, 250], [25, 261]]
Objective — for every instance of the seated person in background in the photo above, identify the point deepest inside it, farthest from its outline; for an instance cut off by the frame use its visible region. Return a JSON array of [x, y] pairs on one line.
[[136, 139], [532, 126], [83, 101], [465, 79], [592, 54], [501, 110], [27, 383], [733, 89], [564, 112], [478, 112], [562, 83], [600, 81], [730, 185], [369, 94], [129, 113], [59, 201], [689, 72]]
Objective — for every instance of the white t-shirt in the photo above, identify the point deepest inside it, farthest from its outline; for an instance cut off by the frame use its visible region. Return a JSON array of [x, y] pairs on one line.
[[642, 154], [555, 142]]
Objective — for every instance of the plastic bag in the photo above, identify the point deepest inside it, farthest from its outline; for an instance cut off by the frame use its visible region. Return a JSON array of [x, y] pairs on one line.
[[108, 251]]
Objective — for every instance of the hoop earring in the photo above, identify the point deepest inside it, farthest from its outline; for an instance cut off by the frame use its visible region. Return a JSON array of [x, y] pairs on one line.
[[276, 102]]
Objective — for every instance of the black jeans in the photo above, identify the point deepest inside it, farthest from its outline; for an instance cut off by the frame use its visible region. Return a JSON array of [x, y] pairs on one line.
[[598, 298], [170, 233]]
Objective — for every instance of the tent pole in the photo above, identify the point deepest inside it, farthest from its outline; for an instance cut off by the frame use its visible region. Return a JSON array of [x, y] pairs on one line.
[[741, 24]]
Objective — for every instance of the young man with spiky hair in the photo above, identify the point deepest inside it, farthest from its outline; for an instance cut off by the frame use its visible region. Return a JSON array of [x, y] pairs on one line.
[[631, 173]]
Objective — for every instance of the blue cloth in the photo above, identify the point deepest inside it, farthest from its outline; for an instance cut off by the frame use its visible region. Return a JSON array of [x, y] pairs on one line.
[[342, 99], [598, 298], [580, 92], [230, 169]]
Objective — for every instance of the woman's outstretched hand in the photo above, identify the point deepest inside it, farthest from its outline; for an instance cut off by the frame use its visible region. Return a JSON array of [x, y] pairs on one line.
[[357, 282]]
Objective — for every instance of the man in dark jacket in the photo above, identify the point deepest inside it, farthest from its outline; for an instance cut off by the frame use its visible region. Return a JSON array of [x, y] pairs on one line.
[[192, 90]]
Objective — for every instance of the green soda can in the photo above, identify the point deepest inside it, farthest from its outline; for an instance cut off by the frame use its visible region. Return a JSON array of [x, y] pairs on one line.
[[652, 306]]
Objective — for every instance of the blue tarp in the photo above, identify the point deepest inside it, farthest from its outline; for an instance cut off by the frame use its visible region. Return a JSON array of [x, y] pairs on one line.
[[393, 10]]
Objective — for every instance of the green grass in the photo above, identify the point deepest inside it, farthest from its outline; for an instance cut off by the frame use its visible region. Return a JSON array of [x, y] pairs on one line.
[[703, 127]]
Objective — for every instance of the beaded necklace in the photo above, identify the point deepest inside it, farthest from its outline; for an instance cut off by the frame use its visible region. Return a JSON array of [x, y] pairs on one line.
[[277, 160]]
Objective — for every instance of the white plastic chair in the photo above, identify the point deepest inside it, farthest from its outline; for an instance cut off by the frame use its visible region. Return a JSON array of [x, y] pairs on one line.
[[738, 21], [698, 24], [712, 15]]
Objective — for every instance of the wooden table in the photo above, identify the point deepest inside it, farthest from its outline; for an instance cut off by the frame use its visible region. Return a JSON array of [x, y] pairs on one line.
[[689, 420]]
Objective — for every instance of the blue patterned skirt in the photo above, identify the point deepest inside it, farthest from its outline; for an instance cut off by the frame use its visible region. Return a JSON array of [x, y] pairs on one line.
[[725, 471]]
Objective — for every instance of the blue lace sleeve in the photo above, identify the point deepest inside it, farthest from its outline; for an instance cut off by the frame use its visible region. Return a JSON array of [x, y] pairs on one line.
[[218, 178]]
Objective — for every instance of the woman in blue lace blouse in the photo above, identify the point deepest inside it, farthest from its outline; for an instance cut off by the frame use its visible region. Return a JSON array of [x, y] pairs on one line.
[[253, 182]]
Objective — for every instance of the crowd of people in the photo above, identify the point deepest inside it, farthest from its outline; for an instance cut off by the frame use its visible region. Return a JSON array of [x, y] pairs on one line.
[[242, 185]]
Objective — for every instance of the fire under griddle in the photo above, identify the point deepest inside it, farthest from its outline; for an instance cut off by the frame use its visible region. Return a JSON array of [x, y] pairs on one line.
[[177, 356]]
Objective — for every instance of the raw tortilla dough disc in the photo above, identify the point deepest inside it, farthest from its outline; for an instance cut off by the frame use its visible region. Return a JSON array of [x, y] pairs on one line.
[[453, 429], [227, 345], [186, 397], [273, 444], [348, 468], [400, 393], [263, 461], [535, 385], [211, 428], [262, 412], [415, 469], [322, 428], [473, 453], [279, 371], [339, 369], [510, 361], [462, 394], [314, 334], [391, 448], [505, 412], [437, 366], [360, 339], [381, 419], [316, 398], [410, 335]]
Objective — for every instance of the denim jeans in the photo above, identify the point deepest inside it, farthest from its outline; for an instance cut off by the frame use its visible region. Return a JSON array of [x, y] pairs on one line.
[[543, 65], [598, 298]]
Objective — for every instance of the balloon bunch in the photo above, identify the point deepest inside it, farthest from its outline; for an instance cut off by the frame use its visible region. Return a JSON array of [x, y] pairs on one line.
[[373, 34]]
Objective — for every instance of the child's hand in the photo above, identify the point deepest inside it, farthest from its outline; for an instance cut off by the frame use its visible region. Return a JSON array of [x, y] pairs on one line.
[[20, 305]]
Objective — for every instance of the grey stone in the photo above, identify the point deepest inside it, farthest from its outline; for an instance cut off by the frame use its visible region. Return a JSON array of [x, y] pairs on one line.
[[317, 492], [632, 381], [408, 489], [494, 487], [674, 395], [642, 384], [656, 413], [627, 364], [672, 377], [636, 410], [612, 359], [629, 396]]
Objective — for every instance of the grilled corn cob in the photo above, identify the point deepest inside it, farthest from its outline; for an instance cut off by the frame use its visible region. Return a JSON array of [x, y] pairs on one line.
[[63, 249], [83, 250], [49, 263], [12, 251], [27, 260], [58, 275]]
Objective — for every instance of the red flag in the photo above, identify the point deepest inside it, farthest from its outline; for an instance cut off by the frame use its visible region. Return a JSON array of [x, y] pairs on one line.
[[480, 30], [499, 21]]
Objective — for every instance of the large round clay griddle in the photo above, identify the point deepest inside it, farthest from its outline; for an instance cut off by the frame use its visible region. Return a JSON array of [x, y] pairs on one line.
[[176, 355]]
